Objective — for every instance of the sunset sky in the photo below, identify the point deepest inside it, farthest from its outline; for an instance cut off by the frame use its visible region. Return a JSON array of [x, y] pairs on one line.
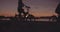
[[38, 7]]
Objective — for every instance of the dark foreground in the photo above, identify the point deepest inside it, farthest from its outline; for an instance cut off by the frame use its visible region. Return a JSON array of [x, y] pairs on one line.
[[25, 26]]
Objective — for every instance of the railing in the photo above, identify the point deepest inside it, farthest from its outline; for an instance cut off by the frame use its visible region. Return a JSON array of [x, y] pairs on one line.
[[32, 19], [40, 19]]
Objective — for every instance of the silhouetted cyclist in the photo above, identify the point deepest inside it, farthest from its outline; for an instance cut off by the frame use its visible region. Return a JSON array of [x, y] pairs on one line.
[[20, 9], [58, 12]]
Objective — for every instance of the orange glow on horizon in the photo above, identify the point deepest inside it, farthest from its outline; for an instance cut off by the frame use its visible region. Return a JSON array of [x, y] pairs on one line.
[[35, 14]]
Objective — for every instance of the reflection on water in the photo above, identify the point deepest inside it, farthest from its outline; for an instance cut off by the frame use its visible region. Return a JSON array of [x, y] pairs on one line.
[[5, 19]]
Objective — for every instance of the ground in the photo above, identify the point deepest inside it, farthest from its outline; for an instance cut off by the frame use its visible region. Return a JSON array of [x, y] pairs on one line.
[[26, 26]]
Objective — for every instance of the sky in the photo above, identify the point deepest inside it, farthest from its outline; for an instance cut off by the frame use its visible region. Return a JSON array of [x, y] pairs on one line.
[[38, 7]]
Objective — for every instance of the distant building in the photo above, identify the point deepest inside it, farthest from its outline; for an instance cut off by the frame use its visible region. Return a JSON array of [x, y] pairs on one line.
[[2, 17]]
